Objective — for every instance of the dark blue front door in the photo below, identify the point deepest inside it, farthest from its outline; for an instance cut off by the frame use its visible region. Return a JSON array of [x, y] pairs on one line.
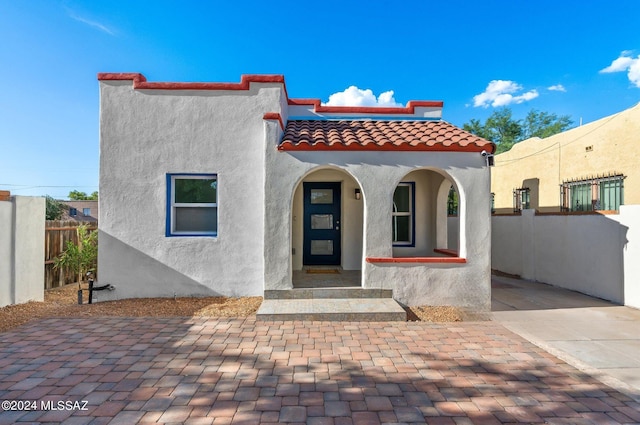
[[321, 224]]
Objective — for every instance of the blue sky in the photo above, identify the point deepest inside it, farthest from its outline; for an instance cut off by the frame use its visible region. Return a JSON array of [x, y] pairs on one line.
[[570, 58]]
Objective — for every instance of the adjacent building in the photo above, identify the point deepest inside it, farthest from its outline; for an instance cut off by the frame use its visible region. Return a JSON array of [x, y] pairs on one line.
[[593, 167], [83, 211]]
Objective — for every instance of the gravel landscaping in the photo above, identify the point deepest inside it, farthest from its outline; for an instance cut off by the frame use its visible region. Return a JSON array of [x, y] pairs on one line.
[[63, 302]]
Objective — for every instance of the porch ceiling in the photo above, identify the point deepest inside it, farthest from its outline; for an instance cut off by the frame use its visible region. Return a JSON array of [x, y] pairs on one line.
[[373, 135]]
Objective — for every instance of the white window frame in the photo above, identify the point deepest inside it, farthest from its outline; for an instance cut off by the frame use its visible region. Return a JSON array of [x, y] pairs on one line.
[[409, 214], [172, 206]]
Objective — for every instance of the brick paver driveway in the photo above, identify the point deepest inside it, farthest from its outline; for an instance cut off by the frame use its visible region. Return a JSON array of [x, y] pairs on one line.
[[140, 370]]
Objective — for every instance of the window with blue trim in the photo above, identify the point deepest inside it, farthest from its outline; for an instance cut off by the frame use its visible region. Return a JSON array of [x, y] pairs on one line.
[[403, 215], [192, 205]]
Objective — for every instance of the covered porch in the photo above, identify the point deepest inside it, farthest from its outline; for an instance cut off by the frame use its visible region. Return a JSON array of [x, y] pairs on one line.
[[368, 201]]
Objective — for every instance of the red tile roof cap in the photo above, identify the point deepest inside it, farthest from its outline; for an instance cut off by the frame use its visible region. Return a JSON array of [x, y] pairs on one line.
[[141, 83], [409, 109]]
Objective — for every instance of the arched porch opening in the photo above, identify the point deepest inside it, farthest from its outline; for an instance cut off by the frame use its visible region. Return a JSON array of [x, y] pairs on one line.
[[422, 225], [327, 229]]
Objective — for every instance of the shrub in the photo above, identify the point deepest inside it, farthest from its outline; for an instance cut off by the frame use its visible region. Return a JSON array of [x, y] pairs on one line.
[[82, 257]]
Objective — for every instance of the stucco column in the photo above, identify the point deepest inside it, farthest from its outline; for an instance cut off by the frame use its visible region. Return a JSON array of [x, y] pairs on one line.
[[528, 245], [22, 221], [279, 182]]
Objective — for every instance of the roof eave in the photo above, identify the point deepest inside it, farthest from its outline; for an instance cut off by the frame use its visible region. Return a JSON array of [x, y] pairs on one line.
[[290, 147]]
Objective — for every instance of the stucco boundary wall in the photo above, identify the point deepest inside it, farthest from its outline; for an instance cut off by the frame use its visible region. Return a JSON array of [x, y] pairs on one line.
[[22, 222], [593, 254]]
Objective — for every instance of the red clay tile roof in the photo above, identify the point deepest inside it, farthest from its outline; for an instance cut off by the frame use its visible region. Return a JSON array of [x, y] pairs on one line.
[[372, 135]]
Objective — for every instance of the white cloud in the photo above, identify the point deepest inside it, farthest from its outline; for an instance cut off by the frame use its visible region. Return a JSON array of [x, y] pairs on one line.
[[557, 87], [502, 93], [353, 96], [626, 62], [634, 72], [91, 23]]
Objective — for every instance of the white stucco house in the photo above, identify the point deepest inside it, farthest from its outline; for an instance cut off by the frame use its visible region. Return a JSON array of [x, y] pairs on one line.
[[228, 188]]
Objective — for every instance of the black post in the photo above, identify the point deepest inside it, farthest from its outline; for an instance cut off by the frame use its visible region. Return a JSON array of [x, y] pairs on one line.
[[90, 291], [80, 296]]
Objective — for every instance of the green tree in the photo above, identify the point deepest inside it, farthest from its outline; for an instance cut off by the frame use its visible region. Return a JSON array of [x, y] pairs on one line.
[[54, 209], [477, 128], [543, 124], [76, 195], [505, 131]]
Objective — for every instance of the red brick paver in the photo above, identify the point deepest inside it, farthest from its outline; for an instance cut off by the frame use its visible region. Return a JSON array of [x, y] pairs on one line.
[[226, 371]]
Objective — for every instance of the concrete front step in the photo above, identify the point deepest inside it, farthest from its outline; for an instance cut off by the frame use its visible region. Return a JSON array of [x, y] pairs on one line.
[[324, 293], [332, 309]]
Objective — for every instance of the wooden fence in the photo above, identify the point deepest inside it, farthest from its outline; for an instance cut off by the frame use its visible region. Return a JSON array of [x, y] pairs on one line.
[[57, 233]]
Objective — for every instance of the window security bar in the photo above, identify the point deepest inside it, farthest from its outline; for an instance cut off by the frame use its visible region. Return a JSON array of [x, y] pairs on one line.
[[593, 194], [521, 199]]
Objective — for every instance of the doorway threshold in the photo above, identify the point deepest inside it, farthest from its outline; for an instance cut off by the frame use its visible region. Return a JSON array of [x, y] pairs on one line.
[[326, 277]]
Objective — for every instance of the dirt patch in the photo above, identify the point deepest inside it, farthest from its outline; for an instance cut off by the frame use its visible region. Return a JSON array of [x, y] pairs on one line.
[[63, 302]]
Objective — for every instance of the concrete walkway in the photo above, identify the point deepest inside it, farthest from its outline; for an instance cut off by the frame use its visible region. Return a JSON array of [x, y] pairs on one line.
[[598, 337]]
